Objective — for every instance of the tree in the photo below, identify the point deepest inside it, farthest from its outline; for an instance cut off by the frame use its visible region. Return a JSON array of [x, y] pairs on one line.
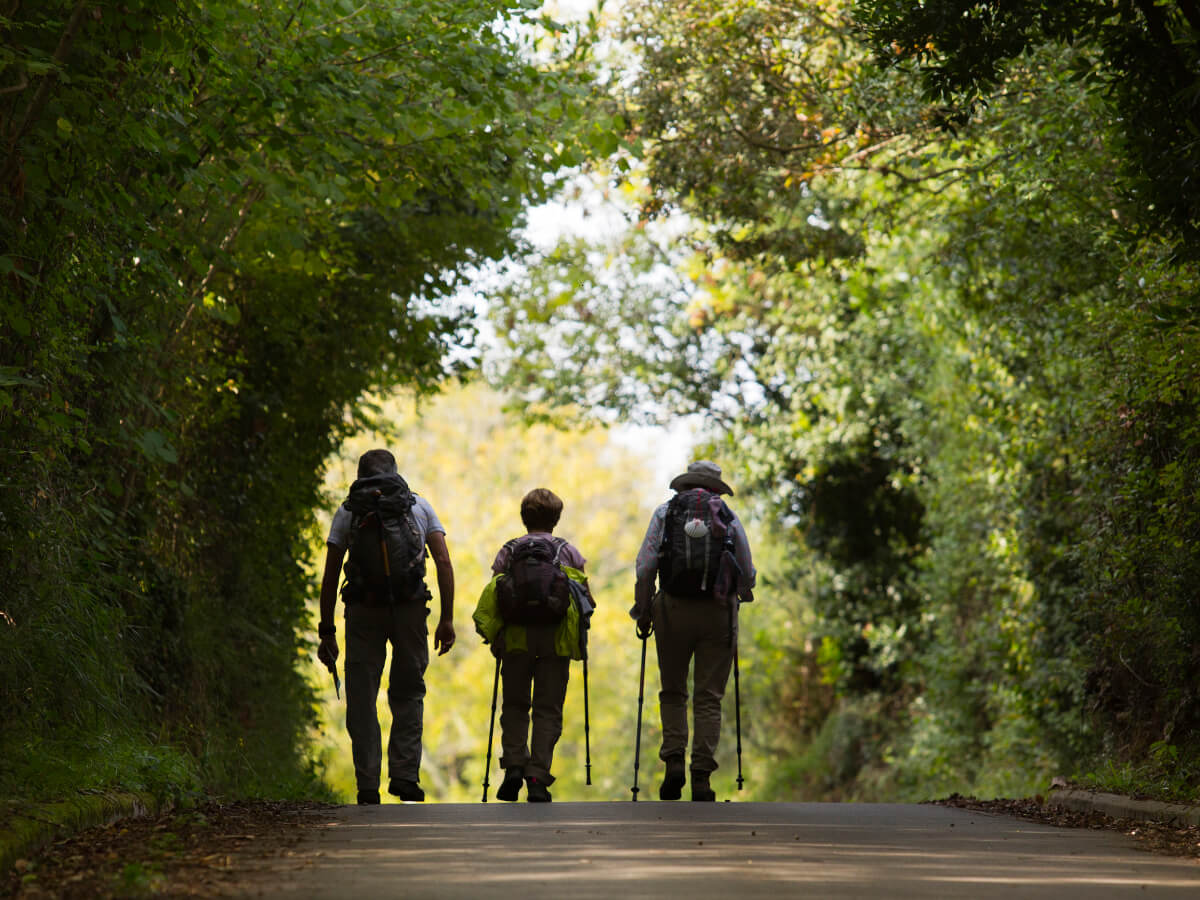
[[222, 223], [1140, 54]]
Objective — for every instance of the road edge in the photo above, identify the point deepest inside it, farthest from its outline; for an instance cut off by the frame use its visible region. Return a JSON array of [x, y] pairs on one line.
[[27, 829], [1120, 807]]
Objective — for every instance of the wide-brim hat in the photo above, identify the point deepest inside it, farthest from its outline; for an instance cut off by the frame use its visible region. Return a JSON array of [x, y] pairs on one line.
[[701, 473]]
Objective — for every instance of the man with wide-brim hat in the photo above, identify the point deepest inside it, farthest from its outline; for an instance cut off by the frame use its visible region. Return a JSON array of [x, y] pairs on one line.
[[703, 474], [696, 549]]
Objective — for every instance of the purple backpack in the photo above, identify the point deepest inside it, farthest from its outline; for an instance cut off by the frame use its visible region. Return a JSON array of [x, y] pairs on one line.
[[534, 590], [696, 557]]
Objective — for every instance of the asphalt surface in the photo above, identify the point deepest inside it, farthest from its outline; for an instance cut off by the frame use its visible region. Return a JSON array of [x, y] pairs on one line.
[[698, 851]]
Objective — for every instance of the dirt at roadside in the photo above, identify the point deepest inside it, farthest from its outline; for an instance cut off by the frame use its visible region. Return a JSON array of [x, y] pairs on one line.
[[1157, 837], [202, 852]]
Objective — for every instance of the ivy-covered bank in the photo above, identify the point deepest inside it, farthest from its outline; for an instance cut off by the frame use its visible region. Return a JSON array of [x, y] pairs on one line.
[[220, 224]]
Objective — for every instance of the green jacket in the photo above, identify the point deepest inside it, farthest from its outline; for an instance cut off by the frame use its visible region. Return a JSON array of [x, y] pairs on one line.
[[489, 624]]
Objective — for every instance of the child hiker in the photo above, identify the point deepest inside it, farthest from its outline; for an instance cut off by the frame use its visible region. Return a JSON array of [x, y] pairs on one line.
[[534, 614]]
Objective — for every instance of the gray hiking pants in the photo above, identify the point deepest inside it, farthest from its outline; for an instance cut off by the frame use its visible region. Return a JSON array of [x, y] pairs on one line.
[[535, 679], [688, 631], [368, 631]]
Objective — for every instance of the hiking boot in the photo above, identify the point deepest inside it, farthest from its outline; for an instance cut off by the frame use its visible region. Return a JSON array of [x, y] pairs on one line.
[[673, 781], [510, 789], [536, 791], [368, 798], [701, 789], [406, 790]]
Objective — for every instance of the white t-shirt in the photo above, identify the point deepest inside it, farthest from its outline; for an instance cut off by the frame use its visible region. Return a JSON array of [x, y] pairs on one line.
[[426, 520]]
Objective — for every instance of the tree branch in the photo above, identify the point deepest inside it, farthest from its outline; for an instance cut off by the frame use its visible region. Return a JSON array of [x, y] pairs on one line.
[[16, 88], [346, 18], [253, 194], [42, 96], [384, 52], [1191, 12]]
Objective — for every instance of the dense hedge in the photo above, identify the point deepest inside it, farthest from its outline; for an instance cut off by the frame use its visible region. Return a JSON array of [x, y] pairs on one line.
[[221, 223]]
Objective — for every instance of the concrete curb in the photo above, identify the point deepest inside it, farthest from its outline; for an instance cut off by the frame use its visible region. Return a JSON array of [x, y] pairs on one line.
[[24, 830], [1123, 807]]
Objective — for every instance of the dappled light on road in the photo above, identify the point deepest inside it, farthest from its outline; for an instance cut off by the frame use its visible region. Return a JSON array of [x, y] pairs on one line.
[[743, 850]]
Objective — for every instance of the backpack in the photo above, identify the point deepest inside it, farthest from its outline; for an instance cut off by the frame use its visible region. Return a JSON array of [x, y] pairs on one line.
[[387, 554], [534, 590], [695, 540]]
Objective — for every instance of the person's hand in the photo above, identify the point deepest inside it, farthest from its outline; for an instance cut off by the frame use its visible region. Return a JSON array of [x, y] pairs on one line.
[[645, 627], [327, 653], [443, 637]]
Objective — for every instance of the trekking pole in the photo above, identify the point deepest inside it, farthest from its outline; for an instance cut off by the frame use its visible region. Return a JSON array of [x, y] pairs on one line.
[[637, 747], [587, 741], [737, 706], [487, 762], [737, 686]]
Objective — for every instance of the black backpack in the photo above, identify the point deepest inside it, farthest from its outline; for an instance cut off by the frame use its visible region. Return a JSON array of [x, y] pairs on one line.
[[695, 538], [387, 554], [534, 590]]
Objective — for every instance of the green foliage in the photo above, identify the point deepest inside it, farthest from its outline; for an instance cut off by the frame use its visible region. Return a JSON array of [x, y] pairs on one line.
[[1141, 57], [1164, 773], [223, 223]]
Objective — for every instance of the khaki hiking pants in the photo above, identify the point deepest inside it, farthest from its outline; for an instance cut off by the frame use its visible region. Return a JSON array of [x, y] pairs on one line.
[[535, 679], [369, 629], [692, 632]]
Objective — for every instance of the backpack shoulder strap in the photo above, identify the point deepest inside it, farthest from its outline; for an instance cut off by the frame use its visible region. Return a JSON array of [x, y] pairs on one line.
[[511, 547]]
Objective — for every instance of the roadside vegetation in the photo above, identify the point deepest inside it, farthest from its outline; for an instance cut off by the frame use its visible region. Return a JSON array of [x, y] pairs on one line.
[[221, 224], [937, 303], [926, 273]]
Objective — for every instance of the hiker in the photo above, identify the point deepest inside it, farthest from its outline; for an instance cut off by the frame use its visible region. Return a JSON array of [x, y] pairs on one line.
[[697, 549], [534, 613], [386, 529]]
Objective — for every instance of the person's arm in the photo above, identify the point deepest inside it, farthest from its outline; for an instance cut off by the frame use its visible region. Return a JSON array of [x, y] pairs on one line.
[[573, 557], [443, 635], [328, 651], [500, 563], [646, 569]]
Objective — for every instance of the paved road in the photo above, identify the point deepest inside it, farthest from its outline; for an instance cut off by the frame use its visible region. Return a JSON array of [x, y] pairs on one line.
[[573, 851]]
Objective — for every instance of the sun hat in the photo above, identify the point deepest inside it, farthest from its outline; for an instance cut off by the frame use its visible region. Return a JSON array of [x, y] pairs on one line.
[[701, 473]]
